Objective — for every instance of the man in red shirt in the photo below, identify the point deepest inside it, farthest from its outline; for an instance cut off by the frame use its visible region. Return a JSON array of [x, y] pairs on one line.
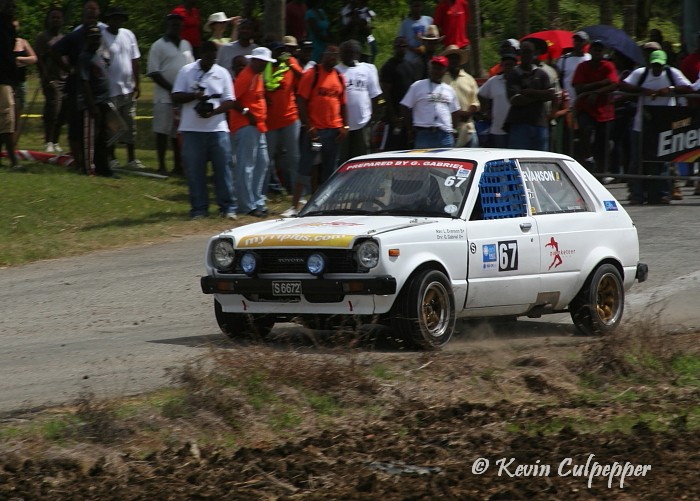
[[452, 17], [247, 123], [690, 66], [191, 24], [594, 81], [321, 100]]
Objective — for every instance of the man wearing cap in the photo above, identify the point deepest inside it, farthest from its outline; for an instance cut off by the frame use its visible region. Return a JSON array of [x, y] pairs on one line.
[[166, 57], [204, 90], [281, 82], [122, 51], [657, 85], [322, 111], [568, 62], [247, 122], [594, 81], [529, 89], [242, 47], [432, 109], [191, 24], [361, 91], [304, 55], [466, 89], [510, 46], [494, 100], [396, 77]]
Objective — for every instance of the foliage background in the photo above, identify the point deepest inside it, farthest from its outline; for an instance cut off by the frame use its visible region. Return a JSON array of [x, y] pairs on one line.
[[499, 18]]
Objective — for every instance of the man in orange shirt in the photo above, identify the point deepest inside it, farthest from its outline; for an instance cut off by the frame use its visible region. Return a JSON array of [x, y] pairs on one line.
[[321, 100], [247, 124], [281, 80]]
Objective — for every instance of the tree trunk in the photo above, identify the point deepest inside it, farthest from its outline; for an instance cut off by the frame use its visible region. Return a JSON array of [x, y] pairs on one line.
[[554, 18], [474, 31], [523, 18], [273, 20], [606, 12], [629, 14], [643, 15]]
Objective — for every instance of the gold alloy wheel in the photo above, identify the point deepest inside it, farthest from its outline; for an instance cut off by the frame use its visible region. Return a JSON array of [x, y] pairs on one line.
[[608, 299], [436, 309]]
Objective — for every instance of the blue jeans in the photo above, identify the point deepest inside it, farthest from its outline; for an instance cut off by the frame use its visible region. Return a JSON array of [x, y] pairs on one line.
[[435, 138], [250, 169], [197, 149], [528, 137], [329, 156], [283, 150]]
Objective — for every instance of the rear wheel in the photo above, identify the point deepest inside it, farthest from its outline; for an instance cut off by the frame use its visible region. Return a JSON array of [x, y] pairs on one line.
[[424, 312], [243, 325], [597, 308]]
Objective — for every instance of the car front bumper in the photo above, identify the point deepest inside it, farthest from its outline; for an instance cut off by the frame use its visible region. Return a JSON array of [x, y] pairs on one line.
[[317, 288]]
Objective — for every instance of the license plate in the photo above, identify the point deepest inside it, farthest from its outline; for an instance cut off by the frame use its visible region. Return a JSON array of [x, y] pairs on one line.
[[286, 288]]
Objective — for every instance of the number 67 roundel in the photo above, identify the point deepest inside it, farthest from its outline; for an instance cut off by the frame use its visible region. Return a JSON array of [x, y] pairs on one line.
[[508, 255]]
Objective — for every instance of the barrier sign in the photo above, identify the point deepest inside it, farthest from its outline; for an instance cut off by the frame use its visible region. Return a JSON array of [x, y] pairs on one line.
[[671, 134]]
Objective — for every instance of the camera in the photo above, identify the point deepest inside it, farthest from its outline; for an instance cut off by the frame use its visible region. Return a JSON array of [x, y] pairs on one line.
[[203, 107]]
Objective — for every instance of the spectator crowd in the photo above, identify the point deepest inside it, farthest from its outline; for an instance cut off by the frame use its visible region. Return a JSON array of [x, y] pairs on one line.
[[279, 115]]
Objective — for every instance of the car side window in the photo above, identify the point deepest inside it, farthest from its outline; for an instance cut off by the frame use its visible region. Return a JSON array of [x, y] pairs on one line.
[[549, 189], [501, 192]]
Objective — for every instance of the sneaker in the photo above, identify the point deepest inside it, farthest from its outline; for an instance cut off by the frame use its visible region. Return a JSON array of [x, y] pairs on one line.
[[607, 180], [676, 194], [49, 148], [199, 216], [57, 148], [114, 164], [291, 212], [135, 164], [230, 215], [257, 213]]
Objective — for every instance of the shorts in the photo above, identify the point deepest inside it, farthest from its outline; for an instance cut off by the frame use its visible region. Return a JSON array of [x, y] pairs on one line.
[[125, 105], [164, 119], [7, 109]]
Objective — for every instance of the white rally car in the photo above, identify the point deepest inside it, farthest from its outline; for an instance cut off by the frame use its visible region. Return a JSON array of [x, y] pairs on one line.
[[419, 238]]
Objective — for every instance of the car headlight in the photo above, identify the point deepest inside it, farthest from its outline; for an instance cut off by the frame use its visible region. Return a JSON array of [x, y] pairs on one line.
[[316, 264], [222, 254], [249, 263], [368, 254]]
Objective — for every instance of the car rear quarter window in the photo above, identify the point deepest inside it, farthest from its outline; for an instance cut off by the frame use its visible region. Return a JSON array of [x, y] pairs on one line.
[[549, 189]]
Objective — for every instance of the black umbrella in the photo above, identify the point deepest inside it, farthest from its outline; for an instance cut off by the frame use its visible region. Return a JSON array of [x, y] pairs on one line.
[[617, 40]]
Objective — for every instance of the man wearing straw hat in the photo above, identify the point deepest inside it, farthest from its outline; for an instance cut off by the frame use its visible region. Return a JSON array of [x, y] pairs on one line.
[[466, 89], [216, 25]]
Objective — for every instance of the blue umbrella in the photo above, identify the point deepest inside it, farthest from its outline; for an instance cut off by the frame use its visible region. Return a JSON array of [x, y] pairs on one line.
[[617, 40]]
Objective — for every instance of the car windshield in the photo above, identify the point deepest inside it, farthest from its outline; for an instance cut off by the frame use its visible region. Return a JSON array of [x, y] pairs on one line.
[[394, 186]]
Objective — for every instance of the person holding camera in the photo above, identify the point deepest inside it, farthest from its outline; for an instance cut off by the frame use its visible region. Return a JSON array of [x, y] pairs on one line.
[[205, 91]]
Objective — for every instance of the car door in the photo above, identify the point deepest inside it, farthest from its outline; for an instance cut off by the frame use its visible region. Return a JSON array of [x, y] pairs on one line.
[[504, 246]]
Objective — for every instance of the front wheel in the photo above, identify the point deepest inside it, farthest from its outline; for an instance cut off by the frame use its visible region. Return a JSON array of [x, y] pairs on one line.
[[597, 308], [424, 312], [242, 325]]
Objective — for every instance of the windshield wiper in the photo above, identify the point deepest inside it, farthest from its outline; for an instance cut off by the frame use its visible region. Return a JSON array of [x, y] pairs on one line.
[[336, 212]]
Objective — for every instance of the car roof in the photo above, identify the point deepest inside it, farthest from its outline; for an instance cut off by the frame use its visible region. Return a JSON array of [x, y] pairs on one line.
[[479, 155]]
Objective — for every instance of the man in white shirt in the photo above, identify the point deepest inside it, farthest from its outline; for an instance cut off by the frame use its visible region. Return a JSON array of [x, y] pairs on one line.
[[431, 106], [657, 85], [122, 51], [495, 102], [205, 91], [242, 47], [165, 59], [361, 88]]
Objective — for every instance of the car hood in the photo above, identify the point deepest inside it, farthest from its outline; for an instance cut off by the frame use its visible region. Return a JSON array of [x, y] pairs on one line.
[[320, 231]]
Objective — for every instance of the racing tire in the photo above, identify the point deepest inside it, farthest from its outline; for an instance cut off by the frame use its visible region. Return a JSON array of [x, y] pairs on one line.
[[424, 312], [598, 307], [239, 326]]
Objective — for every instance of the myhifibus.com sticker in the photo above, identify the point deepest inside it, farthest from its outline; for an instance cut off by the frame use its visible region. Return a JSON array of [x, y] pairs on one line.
[[614, 474]]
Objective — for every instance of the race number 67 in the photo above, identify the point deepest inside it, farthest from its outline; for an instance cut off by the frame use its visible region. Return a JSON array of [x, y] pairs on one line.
[[508, 255], [454, 181]]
